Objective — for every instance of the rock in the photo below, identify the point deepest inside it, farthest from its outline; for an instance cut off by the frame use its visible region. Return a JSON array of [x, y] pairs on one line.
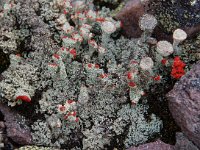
[[129, 16], [157, 145], [173, 14], [16, 128], [184, 104], [182, 143], [183, 17], [192, 31], [2, 125]]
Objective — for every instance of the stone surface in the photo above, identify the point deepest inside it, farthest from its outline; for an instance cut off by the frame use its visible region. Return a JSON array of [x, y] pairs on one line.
[[182, 143], [157, 145], [174, 14], [129, 16], [163, 10], [16, 128], [184, 104]]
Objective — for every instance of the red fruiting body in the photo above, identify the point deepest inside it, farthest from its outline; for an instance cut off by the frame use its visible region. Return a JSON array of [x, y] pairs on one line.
[[157, 78], [19, 55], [65, 12], [177, 73], [164, 61], [100, 19], [77, 119], [129, 75], [178, 62], [69, 114], [177, 68], [62, 108], [104, 75], [133, 103], [121, 24], [73, 113], [144, 94], [131, 84], [64, 37], [97, 66], [70, 101], [73, 38], [73, 52], [23, 98], [56, 56], [53, 65], [133, 62], [65, 117], [89, 65]]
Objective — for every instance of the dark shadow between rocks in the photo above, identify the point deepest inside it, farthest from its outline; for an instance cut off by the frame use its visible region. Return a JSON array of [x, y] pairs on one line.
[[158, 105], [4, 61]]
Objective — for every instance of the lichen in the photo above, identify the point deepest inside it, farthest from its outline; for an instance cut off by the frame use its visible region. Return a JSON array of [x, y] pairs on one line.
[[91, 78]]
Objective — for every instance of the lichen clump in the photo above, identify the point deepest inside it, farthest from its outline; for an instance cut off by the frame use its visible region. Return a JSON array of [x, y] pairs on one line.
[[86, 81]]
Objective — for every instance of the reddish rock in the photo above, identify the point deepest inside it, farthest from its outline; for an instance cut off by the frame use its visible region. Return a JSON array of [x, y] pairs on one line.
[[184, 104], [157, 145], [182, 143], [129, 16], [16, 129]]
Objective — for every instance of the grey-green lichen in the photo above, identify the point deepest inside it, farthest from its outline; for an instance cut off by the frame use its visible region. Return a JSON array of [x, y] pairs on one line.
[[139, 127], [36, 148], [84, 98]]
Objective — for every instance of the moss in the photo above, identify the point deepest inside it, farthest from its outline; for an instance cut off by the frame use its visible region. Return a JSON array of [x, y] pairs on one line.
[[176, 13], [120, 6]]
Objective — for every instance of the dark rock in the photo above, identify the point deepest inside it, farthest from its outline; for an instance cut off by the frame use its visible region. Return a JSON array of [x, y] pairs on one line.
[[184, 104], [192, 31], [174, 14], [16, 128], [170, 15], [129, 16], [8, 146], [157, 145]]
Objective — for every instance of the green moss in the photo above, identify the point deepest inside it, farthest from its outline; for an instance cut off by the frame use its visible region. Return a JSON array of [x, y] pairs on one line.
[[120, 6]]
